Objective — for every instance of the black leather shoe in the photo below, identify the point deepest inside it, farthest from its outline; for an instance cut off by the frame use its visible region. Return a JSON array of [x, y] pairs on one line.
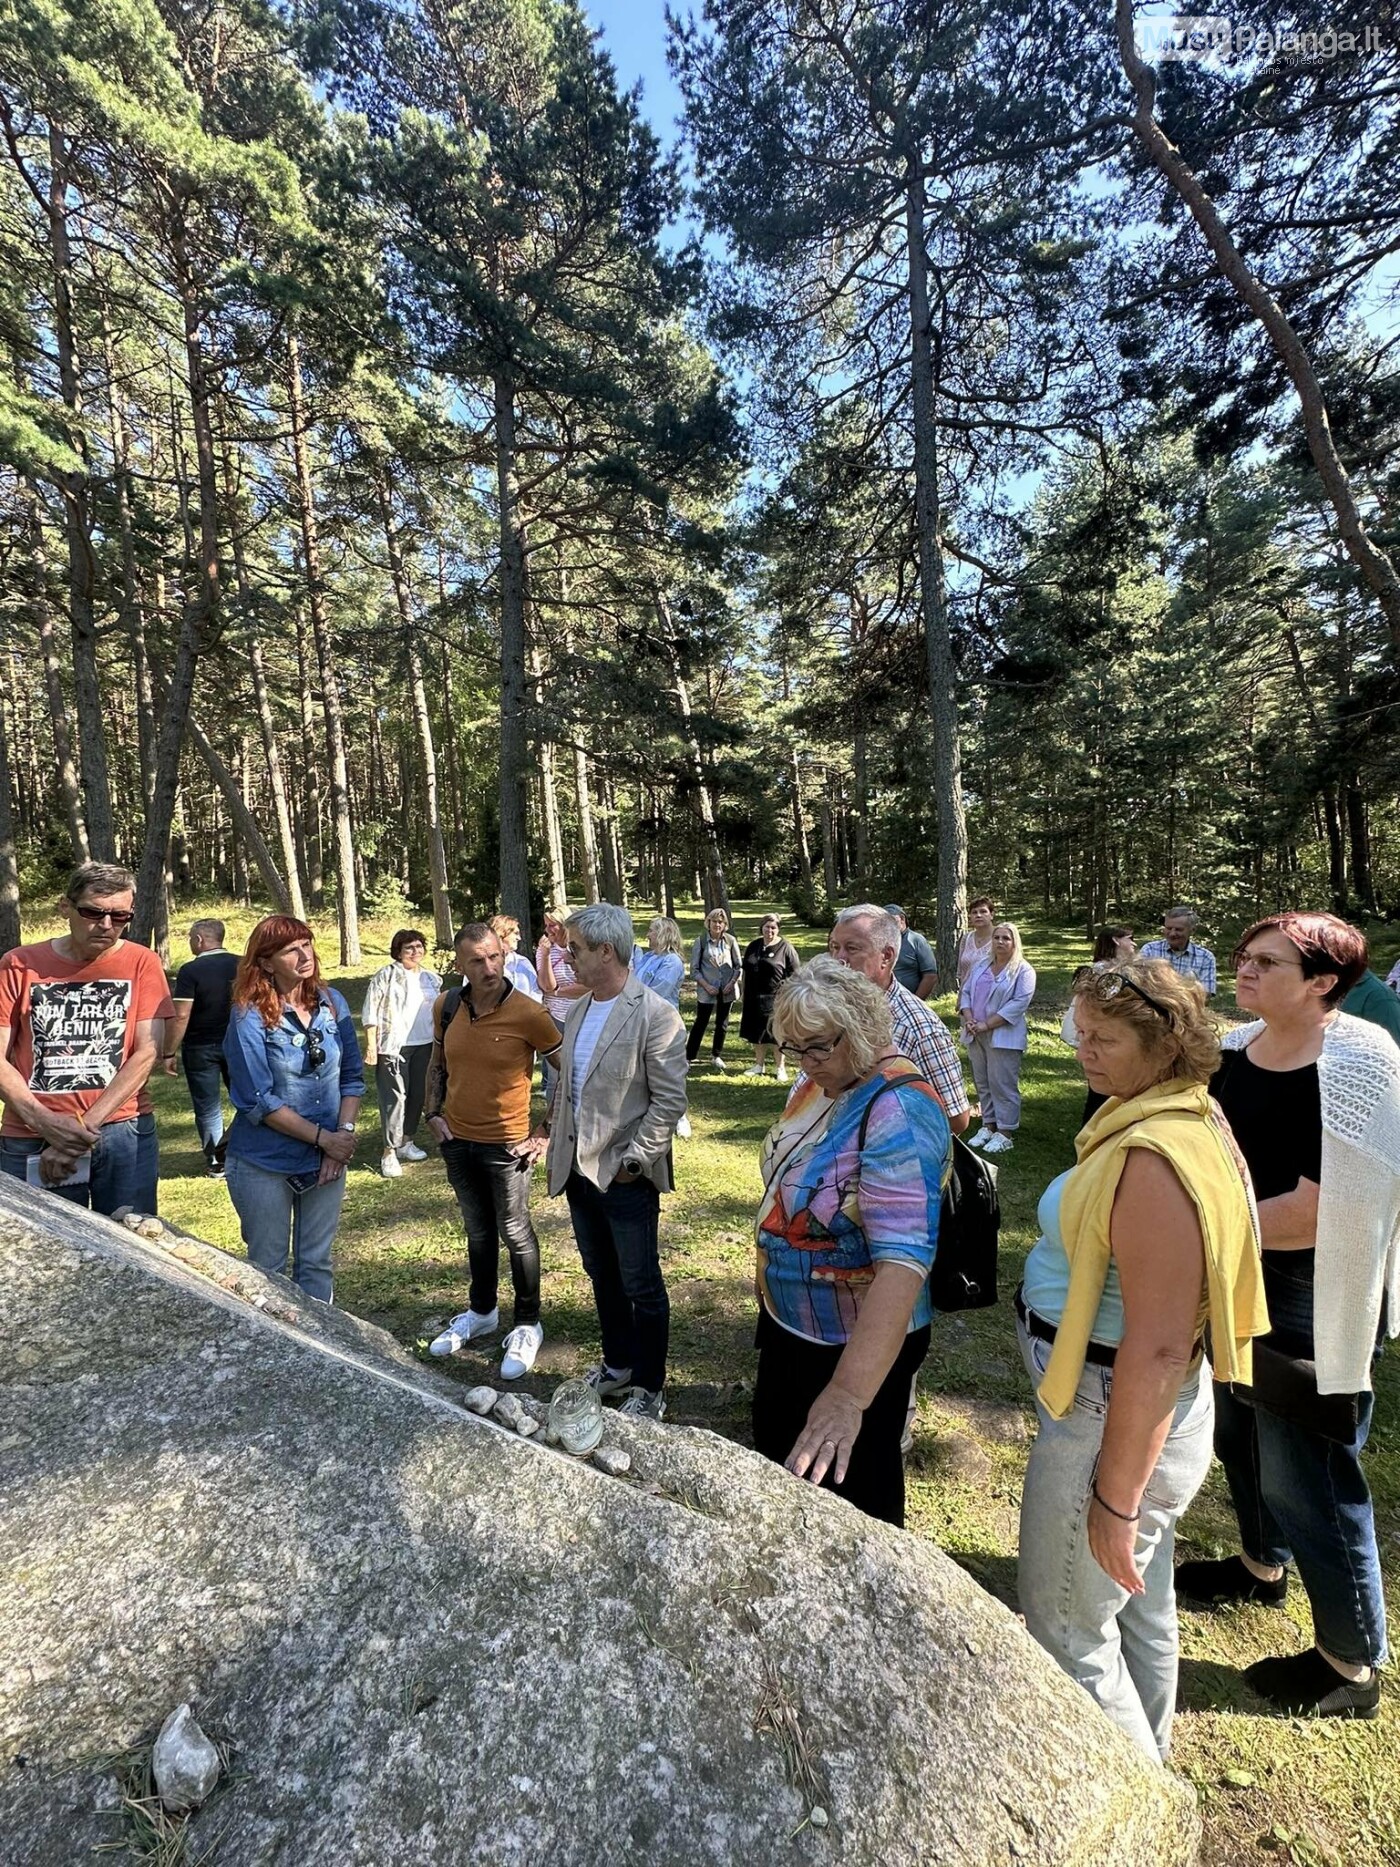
[[1305, 1684], [1213, 1584]]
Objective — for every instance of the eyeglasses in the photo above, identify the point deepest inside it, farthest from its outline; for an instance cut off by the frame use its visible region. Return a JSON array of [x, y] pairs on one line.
[[1262, 962], [1107, 984], [820, 1050], [119, 917]]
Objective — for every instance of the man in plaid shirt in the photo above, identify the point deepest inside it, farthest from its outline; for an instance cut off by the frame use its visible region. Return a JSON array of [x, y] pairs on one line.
[[1180, 951], [867, 939]]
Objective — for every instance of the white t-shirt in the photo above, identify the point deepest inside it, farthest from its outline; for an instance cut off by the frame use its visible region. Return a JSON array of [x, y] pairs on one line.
[[421, 1029], [585, 1043]]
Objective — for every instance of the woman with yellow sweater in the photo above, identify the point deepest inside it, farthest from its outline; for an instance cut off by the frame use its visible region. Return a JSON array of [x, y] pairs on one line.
[[1147, 1240]]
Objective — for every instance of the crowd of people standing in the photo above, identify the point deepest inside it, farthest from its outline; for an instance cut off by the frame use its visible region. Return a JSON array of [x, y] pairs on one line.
[[1214, 1273]]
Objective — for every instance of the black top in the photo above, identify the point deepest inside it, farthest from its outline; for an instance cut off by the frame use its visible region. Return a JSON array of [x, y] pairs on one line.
[[207, 980], [765, 967], [1276, 1116]]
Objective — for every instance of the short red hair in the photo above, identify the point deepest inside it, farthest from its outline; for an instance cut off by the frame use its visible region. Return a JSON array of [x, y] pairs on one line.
[[1325, 943], [253, 986]]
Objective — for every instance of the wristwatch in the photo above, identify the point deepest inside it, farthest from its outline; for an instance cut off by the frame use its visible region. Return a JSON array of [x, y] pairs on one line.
[[347, 1127]]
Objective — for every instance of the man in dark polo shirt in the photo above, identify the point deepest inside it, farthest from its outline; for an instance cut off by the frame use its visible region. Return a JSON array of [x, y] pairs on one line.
[[485, 1038], [203, 995]]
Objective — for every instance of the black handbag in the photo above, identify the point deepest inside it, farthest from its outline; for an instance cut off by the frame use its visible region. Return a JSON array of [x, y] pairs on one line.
[[1286, 1386]]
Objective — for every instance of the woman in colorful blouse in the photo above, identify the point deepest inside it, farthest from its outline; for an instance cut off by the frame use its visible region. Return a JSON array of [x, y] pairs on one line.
[[853, 1174], [295, 1078]]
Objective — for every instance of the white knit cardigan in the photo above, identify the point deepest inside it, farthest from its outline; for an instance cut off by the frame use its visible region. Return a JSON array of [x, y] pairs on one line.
[[1358, 1202]]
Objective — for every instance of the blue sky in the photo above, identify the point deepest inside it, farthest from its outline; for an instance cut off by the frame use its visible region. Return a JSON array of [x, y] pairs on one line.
[[634, 33]]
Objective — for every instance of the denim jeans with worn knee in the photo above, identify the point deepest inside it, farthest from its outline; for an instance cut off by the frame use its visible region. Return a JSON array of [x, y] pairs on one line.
[[205, 1076], [1302, 1498], [273, 1219], [1121, 1648]]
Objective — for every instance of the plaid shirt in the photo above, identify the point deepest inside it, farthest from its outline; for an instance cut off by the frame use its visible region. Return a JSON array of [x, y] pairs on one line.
[[922, 1036], [1197, 962]]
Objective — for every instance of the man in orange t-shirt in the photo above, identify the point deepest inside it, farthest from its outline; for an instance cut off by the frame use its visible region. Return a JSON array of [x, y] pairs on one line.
[[80, 1030]]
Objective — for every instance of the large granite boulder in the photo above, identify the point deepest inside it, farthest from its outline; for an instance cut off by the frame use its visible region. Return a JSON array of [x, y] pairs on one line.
[[423, 1639]]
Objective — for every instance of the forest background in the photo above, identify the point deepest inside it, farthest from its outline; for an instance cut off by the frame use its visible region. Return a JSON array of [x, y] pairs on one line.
[[420, 486]]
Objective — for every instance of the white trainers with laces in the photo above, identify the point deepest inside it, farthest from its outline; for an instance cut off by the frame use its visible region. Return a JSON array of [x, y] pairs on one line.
[[521, 1347], [719, 1063], [409, 1152], [982, 1137], [999, 1144], [390, 1167], [608, 1380], [463, 1329]]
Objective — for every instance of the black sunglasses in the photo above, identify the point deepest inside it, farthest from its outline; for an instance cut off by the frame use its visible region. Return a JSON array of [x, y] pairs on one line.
[[315, 1052], [119, 917]]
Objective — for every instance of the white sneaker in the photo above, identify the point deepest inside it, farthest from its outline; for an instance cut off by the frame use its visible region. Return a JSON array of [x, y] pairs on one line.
[[683, 1128], [782, 1073], [982, 1137], [521, 1347], [719, 1063], [642, 1404], [409, 1152], [390, 1167], [999, 1144], [753, 1072], [463, 1329]]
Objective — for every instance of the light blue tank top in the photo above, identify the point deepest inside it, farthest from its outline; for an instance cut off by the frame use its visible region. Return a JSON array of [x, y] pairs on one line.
[[1046, 1282]]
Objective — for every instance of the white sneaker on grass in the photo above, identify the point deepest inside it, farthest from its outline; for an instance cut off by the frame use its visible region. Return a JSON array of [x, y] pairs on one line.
[[719, 1063], [982, 1137], [782, 1075], [389, 1166], [409, 1152], [753, 1072], [999, 1144], [463, 1329], [683, 1128], [521, 1347]]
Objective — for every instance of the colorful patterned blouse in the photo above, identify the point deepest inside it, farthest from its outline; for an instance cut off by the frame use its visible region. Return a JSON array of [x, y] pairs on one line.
[[828, 1218]]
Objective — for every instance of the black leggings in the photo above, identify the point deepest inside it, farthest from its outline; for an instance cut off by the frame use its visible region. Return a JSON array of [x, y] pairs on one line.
[[793, 1371], [697, 1030]]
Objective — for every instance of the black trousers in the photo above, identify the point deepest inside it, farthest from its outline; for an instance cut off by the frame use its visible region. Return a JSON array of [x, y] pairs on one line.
[[493, 1192], [702, 1018], [792, 1372]]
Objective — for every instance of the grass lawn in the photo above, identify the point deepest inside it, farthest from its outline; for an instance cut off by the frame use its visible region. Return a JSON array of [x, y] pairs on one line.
[[1271, 1789]]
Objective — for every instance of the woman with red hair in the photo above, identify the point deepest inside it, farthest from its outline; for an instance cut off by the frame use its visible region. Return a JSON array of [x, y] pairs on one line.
[[295, 1079], [1313, 1097]]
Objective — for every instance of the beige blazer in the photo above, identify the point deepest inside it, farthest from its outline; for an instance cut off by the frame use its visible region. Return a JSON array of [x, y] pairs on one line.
[[633, 1094]]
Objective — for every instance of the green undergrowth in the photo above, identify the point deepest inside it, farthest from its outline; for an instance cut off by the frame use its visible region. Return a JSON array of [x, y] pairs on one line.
[[1270, 1789]]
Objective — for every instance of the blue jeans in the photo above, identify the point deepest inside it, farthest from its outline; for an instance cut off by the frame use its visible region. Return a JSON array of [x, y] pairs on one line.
[[273, 1219], [205, 1075], [617, 1234], [1121, 1648], [125, 1165], [1302, 1498]]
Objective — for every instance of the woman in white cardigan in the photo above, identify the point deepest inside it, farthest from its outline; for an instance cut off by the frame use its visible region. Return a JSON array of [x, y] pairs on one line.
[[993, 1002], [1313, 1098]]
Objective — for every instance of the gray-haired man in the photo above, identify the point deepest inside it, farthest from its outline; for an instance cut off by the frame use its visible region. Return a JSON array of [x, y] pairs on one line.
[[1180, 951], [620, 1093]]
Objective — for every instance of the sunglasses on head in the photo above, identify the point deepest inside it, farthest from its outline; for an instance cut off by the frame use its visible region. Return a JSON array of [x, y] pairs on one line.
[[1109, 984], [119, 917]]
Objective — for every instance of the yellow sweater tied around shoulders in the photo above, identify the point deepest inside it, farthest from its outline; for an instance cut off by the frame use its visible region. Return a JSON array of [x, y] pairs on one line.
[[1180, 1122]]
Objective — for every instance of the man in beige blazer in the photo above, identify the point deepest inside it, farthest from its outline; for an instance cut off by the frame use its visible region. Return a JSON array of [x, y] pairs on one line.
[[619, 1095]]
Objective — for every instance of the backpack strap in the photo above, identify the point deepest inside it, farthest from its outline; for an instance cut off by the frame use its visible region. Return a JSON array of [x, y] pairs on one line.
[[452, 1004], [895, 1082]]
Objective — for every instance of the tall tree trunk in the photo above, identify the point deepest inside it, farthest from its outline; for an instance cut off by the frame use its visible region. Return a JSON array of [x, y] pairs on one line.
[[860, 753], [515, 745], [53, 684], [1359, 834], [200, 619], [134, 614], [1377, 568], [422, 719], [714, 889], [587, 836], [77, 507], [609, 852], [938, 643], [549, 794], [347, 901], [828, 848], [309, 817], [1336, 848], [9, 856], [799, 820]]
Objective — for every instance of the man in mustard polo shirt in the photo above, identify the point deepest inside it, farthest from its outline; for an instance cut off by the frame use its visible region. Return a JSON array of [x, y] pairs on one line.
[[478, 1105]]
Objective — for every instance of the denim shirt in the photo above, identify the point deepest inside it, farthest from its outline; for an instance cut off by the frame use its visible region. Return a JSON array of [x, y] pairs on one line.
[[267, 1070]]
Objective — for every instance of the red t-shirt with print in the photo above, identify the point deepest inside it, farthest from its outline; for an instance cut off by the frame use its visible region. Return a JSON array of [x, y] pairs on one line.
[[72, 1027]]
